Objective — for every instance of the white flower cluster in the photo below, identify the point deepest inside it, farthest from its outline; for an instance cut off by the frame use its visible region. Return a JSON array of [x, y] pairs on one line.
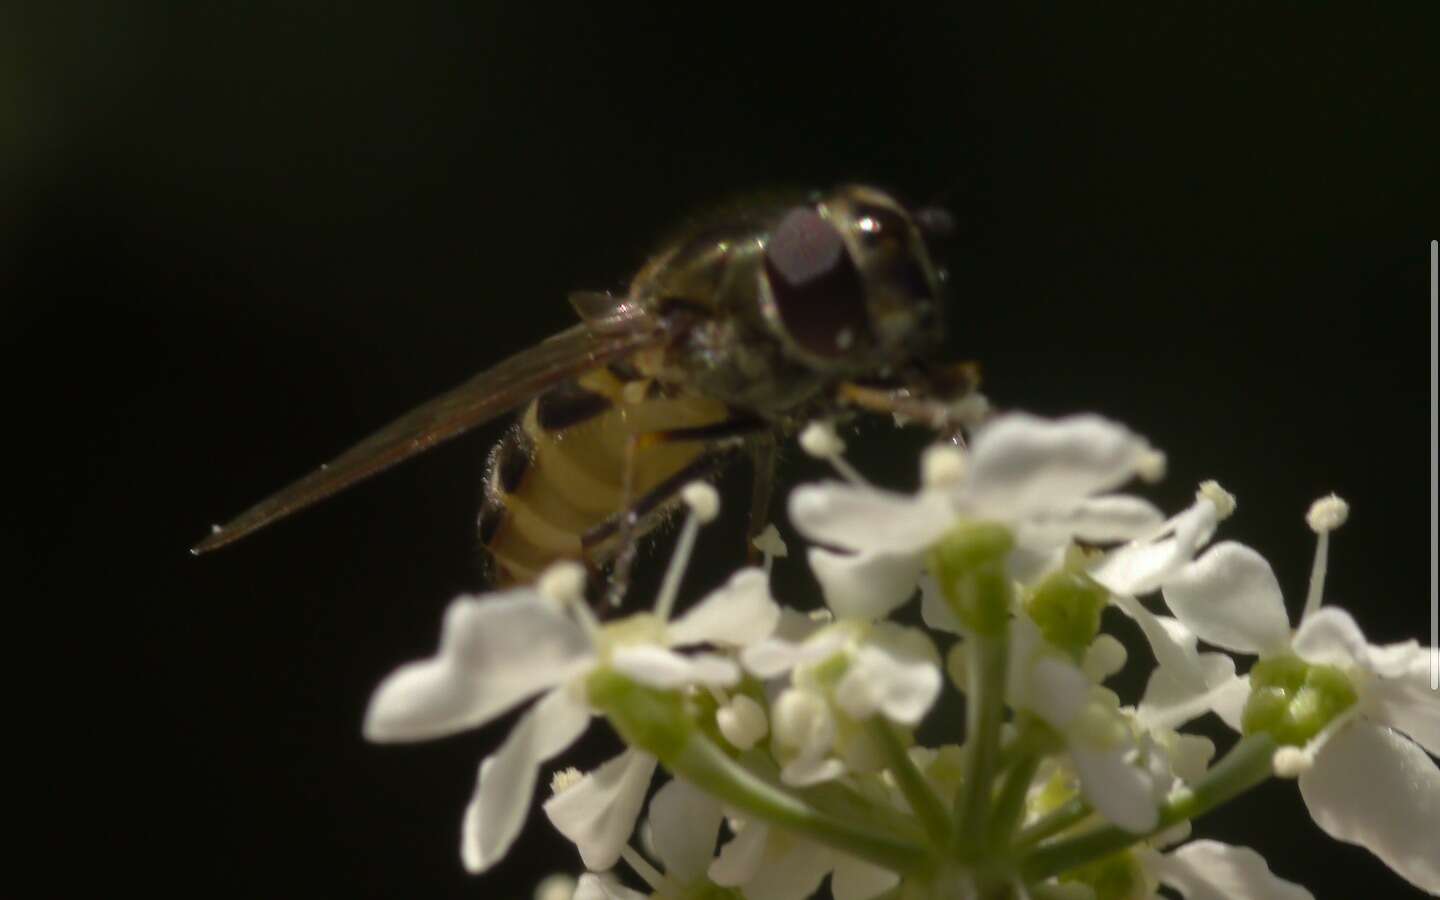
[[788, 739]]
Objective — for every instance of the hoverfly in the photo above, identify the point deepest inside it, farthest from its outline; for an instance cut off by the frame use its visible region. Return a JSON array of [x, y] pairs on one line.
[[734, 334]]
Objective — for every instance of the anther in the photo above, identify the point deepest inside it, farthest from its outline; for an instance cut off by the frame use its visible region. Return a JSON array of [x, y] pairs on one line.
[[1151, 466], [1327, 514], [942, 465], [564, 779], [1221, 499], [563, 583], [556, 887], [820, 440], [1291, 762], [703, 500]]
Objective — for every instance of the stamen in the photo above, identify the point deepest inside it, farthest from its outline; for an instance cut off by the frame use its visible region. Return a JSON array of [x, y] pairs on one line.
[[564, 779], [642, 867], [820, 440], [1223, 500], [564, 584], [556, 887], [1151, 466], [1325, 515], [1291, 762], [704, 505], [1211, 492], [942, 465], [703, 499]]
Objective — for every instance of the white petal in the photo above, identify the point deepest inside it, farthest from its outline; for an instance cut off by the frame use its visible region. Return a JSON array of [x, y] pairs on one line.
[[1405, 659], [1143, 566], [666, 669], [1039, 549], [1027, 647], [602, 887], [854, 879], [1058, 692], [899, 681], [1122, 793], [1172, 643], [803, 723], [863, 518], [1228, 702], [1190, 756], [773, 656], [808, 771], [1399, 694], [739, 613], [684, 821], [598, 812], [864, 585], [507, 778], [1330, 636], [1406, 703], [1372, 787], [741, 856], [1115, 517], [935, 610], [796, 626], [495, 652], [1210, 870], [1230, 598], [1020, 464], [1171, 701], [776, 866]]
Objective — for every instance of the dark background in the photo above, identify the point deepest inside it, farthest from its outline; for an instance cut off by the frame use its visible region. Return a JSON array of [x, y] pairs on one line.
[[236, 236]]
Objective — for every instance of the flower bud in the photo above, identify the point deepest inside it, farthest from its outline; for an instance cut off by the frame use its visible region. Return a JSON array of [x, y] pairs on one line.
[[742, 722]]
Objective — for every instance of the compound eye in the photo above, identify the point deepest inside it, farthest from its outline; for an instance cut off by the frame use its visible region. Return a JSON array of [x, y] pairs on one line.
[[819, 295]]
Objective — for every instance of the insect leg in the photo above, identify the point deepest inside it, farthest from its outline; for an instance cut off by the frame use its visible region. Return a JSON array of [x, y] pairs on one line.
[[938, 401], [726, 436], [762, 486]]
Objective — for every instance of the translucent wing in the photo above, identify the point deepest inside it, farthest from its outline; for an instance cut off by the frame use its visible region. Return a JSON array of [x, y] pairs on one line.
[[487, 395]]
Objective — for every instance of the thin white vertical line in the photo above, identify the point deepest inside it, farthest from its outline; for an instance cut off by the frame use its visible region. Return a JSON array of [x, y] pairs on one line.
[[1434, 463]]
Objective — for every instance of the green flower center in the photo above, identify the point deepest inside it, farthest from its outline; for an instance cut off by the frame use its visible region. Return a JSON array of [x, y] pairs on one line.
[[1067, 607], [969, 565], [1293, 701]]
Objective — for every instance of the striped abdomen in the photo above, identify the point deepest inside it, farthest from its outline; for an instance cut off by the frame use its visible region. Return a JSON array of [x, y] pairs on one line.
[[561, 470]]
